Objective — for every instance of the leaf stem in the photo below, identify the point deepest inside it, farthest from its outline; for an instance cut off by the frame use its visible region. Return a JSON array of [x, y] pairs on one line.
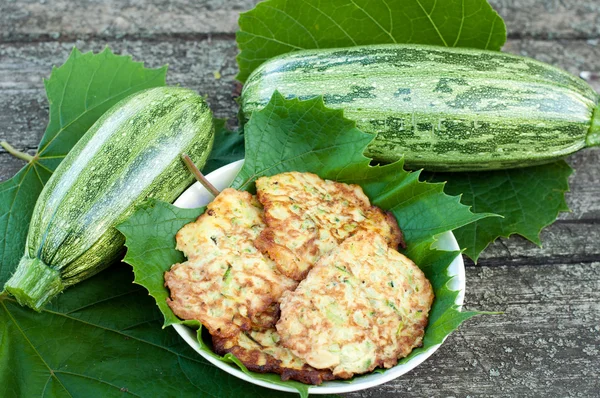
[[198, 174], [16, 153]]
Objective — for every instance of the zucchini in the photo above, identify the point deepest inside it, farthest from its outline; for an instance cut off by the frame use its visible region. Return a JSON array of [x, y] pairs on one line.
[[131, 153], [446, 109]]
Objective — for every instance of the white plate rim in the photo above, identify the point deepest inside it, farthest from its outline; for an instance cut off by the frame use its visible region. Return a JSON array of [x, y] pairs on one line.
[[197, 196]]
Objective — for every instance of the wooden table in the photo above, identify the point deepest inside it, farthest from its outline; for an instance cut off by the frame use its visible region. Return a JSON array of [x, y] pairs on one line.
[[547, 343]]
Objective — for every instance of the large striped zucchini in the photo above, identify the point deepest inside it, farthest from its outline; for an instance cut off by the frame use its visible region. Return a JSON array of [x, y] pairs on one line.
[[442, 108], [131, 153]]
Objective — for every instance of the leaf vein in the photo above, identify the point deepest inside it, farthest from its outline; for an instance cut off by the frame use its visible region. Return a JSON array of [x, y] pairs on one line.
[[296, 22], [191, 382], [97, 380], [275, 165], [432, 23], [34, 348], [273, 40], [487, 45], [374, 21], [101, 301], [118, 332], [333, 21], [9, 211], [462, 22]]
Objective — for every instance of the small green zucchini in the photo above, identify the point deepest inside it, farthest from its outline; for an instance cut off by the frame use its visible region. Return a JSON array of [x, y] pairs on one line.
[[447, 109], [131, 153]]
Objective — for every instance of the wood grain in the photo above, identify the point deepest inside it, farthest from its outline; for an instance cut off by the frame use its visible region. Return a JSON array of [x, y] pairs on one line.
[[27, 20], [32, 20], [550, 19]]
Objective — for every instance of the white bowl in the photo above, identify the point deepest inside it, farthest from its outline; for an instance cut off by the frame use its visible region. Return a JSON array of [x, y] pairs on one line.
[[197, 196]]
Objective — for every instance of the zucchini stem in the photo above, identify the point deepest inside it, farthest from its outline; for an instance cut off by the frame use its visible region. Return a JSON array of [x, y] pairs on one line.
[[34, 283], [16, 153], [593, 136]]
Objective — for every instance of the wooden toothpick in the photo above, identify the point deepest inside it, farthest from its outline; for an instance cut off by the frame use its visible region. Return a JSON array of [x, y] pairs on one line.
[[198, 174]]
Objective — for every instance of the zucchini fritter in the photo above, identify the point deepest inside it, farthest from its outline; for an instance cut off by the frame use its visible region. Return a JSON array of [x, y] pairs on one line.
[[362, 306], [307, 217], [261, 351], [226, 284]]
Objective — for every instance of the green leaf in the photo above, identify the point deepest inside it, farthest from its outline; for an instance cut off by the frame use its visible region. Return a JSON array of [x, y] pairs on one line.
[[17, 198], [529, 199], [78, 92], [301, 136], [276, 27], [305, 136], [103, 338], [156, 223], [227, 148]]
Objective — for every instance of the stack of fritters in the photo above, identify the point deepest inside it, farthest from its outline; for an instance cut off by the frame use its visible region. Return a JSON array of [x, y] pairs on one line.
[[360, 304], [233, 289]]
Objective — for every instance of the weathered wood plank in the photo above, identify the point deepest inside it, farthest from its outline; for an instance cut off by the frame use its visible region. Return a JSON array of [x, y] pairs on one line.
[[28, 20], [564, 242], [192, 64], [584, 197], [550, 19], [31, 20], [9, 165], [545, 344]]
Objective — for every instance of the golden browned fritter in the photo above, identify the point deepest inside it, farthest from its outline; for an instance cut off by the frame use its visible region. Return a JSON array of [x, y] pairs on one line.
[[307, 217], [245, 262], [362, 306], [226, 284], [260, 351]]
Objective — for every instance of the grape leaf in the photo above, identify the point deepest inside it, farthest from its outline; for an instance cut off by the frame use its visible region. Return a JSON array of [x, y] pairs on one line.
[[227, 148], [306, 136], [78, 92], [17, 198], [276, 27], [159, 222], [529, 199], [103, 338]]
